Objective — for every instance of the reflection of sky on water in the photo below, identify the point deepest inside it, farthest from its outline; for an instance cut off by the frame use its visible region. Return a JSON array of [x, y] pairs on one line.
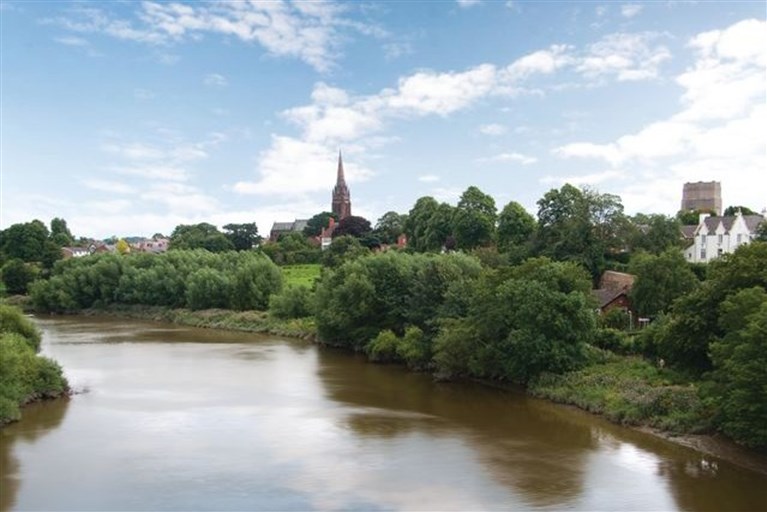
[[271, 424]]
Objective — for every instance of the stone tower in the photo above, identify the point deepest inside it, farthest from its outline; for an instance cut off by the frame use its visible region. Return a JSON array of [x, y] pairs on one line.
[[703, 195], [342, 204]]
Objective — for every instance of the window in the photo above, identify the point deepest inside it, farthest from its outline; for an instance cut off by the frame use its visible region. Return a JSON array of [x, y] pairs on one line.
[[740, 238], [703, 253], [719, 239]]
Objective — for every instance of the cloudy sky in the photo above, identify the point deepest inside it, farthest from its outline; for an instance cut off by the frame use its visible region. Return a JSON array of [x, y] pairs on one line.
[[128, 118]]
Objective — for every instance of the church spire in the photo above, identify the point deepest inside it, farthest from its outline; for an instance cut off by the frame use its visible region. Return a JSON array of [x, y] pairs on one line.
[[341, 204], [340, 179]]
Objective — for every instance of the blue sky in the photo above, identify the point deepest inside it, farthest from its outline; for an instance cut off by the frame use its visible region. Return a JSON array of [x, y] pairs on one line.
[[129, 118]]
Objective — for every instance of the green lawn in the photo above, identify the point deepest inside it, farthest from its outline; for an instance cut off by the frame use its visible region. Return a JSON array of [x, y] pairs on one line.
[[301, 275]]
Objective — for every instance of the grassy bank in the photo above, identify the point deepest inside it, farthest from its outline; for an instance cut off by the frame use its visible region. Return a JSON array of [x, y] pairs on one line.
[[25, 376], [301, 275], [246, 321], [630, 391]]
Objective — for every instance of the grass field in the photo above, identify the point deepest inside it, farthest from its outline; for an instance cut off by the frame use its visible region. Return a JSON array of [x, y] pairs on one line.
[[301, 275]]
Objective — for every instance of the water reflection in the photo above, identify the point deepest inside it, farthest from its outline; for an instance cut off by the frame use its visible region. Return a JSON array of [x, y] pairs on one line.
[[39, 419]]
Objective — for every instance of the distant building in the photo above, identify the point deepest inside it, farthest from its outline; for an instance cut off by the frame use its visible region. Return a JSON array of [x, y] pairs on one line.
[[154, 246], [74, 252], [340, 204], [613, 291], [715, 236], [702, 195], [280, 228]]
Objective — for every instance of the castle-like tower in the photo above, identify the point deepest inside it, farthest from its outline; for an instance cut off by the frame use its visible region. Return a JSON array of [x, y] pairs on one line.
[[342, 203]]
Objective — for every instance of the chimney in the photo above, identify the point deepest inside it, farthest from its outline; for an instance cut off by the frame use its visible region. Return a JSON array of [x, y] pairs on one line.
[[702, 217]]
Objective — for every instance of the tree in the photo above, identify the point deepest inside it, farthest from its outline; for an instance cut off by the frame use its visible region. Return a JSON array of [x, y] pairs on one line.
[[60, 234], [739, 378], [515, 226], [655, 233], [242, 236], [199, 236], [474, 220], [761, 232], [732, 210], [358, 227], [692, 217], [693, 323], [122, 246], [317, 223], [390, 226], [659, 281], [418, 223], [17, 275], [343, 249], [24, 241], [580, 225]]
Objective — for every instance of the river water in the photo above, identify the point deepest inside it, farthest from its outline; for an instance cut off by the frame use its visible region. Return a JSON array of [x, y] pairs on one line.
[[175, 418]]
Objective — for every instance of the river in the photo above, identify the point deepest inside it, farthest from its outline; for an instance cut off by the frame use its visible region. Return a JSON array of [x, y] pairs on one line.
[[175, 418]]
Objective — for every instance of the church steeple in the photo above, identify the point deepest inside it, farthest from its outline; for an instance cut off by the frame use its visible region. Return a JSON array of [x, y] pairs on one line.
[[341, 204]]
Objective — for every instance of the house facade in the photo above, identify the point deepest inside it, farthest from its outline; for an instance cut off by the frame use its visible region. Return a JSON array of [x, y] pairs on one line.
[[717, 236]]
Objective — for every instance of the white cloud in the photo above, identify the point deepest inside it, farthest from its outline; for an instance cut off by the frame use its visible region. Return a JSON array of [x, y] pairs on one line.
[[493, 129], [580, 180], [465, 4], [427, 92], [293, 167], [396, 50], [630, 10], [428, 178], [725, 85], [628, 57], [215, 80], [72, 41], [511, 157], [113, 187], [309, 31]]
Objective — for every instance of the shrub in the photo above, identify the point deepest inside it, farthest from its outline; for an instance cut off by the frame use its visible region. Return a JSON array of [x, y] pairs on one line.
[[207, 288], [383, 348], [292, 302], [12, 320]]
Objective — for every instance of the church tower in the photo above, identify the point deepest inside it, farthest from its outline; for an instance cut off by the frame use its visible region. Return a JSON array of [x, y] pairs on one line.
[[342, 204]]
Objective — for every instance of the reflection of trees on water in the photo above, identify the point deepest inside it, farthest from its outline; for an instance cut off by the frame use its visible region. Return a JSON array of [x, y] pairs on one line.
[[525, 444], [38, 419], [701, 483]]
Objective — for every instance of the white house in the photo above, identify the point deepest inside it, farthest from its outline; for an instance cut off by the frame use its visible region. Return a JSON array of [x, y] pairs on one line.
[[715, 236]]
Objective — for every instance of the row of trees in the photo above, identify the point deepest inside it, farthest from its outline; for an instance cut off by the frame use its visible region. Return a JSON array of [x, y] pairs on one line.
[[195, 279]]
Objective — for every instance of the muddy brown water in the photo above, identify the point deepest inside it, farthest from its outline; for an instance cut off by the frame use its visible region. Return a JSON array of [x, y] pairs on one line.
[[175, 418]]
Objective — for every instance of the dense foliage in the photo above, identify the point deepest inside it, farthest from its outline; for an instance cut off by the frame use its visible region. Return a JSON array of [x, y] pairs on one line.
[[24, 375], [194, 279]]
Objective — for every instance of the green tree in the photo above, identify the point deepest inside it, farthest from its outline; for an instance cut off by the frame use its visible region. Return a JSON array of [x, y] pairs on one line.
[[693, 323], [419, 222], [317, 223], [580, 225], [242, 236], [732, 210], [738, 389], [26, 241], [17, 275], [358, 227], [515, 227], [199, 236], [208, 288], [692, 217], [390, 226], [254, 282], [122, 246], [343, 249], [655, 233], [60, 234], [474, 221], [659, 281]]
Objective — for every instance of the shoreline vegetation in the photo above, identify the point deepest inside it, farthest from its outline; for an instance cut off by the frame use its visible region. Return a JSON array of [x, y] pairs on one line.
[[26, 376]]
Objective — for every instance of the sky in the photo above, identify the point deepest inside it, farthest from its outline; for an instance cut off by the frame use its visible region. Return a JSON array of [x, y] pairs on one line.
[[129, 118]]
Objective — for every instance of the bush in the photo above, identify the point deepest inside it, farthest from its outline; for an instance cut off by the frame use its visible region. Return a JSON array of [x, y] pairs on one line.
[[292, 302], [615, 318], [614, 341], [383, 348], [415, 348], [13, 321], [207, 288], [17, 276]]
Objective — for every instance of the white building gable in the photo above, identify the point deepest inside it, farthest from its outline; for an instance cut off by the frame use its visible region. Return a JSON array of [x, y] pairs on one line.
[[716, 236]]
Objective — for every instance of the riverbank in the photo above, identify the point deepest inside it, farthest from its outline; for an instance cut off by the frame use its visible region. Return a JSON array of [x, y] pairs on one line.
[[25, 376]]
